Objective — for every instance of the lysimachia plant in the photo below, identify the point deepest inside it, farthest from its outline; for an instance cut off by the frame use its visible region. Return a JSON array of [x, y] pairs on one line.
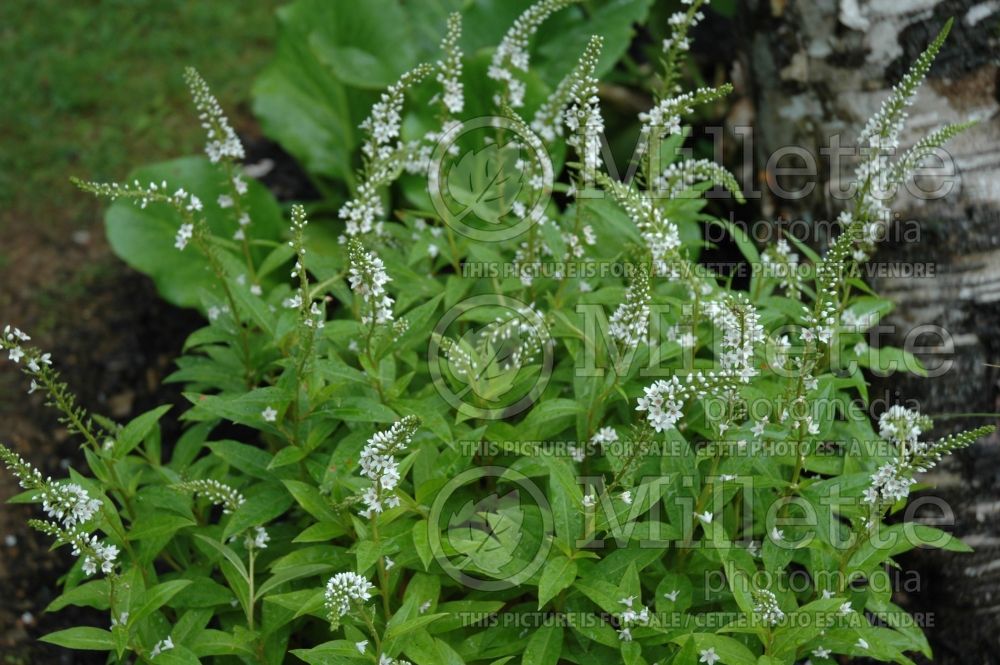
[[399, 450]]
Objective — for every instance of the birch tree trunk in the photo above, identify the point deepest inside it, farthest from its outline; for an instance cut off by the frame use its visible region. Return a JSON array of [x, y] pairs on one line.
[[820, 68]]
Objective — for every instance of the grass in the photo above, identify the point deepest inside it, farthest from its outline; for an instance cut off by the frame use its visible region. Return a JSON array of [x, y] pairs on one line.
[[94, 88]]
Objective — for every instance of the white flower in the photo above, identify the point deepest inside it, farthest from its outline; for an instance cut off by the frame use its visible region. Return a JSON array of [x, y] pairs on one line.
[[626, 497], [222, 140], [777, 535], [361, 646], [184, 234], [389, 563], [589, 501], [379, 465], [705, 517], [845, 609], [240, 185], [383, 124], [766, 607], [630, 322], [257, 539], [225, 201], [708, 656], [256, 290], [368, 279], [217, 492], [69, 503], [450, 68], [862, 643], [15, 354], [625, 635], [672, 595], [827, 594], [344, 589], [512, 52], [604, 436], [270, 414], [161, 646], [759, 427], [821, 652]]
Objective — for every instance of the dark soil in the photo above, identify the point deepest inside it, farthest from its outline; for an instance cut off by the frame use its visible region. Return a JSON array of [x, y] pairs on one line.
[[113, 340]]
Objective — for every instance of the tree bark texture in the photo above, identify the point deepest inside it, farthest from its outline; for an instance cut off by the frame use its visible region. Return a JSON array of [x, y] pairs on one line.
[[816, 69]]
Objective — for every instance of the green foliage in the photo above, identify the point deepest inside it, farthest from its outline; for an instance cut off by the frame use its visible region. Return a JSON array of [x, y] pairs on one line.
[[405, 444]]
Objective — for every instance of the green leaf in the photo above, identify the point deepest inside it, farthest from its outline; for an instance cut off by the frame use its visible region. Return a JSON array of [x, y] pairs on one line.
[[156, 597], [399, 630], [94, 594], [558, 574], [311, 500], [485, 182], [82, 638], [144, 237], [544, 646], [292, 573], [227, 553], [330, 653], [158, 524], [137, 430], [729, 650], [209, 642], [268, 501]]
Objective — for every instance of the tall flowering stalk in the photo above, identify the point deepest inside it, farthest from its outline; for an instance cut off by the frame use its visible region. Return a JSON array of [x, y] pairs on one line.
[[362, 215], [224, 147], [71, 510], [511, 55]]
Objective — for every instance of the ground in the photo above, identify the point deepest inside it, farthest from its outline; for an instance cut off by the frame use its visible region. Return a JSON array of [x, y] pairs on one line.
[[92, 89]]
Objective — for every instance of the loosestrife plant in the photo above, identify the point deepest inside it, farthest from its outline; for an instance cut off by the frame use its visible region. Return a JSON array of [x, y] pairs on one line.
[[387, 459]]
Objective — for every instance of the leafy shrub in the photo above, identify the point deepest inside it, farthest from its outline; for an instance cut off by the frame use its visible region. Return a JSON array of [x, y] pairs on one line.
[[408, 451]]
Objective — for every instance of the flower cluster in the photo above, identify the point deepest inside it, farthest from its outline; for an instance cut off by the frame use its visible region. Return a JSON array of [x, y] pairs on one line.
[[383, 124], [659, 233], [631, 617], [218, 493], [310, 312], [378, 464], [875, 178], [72, 506], [742, 333], [257, 539], [665, 118], [583, 117], [223, 144], [68, 503], [512, 52], [551, 115], [163, 645], [363, 213], [450, 67], [902, 426], [765, 607], [344, 590], [677, 178], [368, 279], [664, 398], [629, 323], [512, 341]]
